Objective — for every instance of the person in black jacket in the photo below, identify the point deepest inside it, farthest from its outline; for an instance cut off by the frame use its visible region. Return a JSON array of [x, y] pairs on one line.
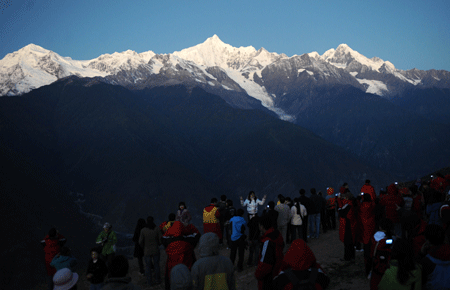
[[96, 271], [307, 203], [138, 250]]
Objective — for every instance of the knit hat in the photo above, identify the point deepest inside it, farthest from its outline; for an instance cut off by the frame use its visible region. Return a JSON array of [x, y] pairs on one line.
[[64, 279]]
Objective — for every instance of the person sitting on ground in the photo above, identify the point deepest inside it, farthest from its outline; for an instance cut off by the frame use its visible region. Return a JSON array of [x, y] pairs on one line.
[[212, 271], [64, 260], [107, 239], [403, 273], [65, 279], [299, 267], [252, 203], [271, 254], [96, 271], [183, 215], [118, 271], [436, 259]]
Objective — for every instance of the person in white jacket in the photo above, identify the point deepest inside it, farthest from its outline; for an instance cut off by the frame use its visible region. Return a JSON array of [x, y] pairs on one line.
[[252, 203], [298, 212]]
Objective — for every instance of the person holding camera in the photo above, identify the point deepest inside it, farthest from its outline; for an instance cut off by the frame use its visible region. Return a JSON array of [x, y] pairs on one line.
[[107, 240]]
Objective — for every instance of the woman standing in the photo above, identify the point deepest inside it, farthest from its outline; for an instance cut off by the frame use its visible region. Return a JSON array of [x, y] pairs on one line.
[[138, 250], [298, 212], [252, 203], [183, 214]]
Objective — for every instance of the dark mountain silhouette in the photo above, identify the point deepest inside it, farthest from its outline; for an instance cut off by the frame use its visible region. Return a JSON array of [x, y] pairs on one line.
[[137, 153], [395, 138]]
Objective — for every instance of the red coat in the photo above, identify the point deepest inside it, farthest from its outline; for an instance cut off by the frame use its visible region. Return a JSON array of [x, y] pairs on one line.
[[178, 251], [270, 258], [211, 222], [367, 188], [390, 202], [52, 247], [367, 217], [351, 216], [380, 261]]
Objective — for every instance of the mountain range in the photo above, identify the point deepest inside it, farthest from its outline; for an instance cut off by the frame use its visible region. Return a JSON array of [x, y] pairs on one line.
[[372, 110], [128, 135]]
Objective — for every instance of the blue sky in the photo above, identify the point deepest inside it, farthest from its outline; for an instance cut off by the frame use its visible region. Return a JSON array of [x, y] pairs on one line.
[[410, 34]]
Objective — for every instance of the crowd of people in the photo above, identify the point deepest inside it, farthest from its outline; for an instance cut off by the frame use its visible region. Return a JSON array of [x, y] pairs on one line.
[[403, 232]]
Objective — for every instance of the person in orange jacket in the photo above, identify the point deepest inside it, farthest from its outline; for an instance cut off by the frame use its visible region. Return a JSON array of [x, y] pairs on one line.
[[211, 221]]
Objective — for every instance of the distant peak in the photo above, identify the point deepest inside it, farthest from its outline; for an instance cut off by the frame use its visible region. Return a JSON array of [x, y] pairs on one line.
[[214, 39], [343, 47], [33, 47]]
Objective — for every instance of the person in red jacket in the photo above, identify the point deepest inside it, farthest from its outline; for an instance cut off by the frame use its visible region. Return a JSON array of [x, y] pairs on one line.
[[381, 252], [368, 188], [178, 250], [347, 224], [367, 217], [52, 244], [271, 254], [211, 222], [393, 203], [300, 264]]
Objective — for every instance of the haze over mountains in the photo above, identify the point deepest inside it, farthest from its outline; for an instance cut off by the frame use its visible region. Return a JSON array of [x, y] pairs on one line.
[[137, 133]]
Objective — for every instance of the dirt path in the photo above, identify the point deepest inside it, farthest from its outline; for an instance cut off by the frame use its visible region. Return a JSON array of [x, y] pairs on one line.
[[328, 250]]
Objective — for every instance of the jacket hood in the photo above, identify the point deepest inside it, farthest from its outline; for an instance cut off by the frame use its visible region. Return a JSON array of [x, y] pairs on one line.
[[180, 277], [299, 257], [209, 245], [175, 230], [378, 236]]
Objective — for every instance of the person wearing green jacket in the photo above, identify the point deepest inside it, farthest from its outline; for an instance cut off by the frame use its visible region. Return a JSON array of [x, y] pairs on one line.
[[107, 239], [403, 273]]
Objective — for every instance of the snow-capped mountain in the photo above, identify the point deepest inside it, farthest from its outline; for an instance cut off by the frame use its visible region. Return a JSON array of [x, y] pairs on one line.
[[221, 68]]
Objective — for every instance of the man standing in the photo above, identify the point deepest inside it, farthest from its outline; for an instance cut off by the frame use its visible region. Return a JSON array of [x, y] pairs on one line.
[[307, 203], [212, 271], [284, 216], [108, 239], [331, 208], [314, 217], [150, 239], [211, 221], [238, 224], [271, 254], [368, 188]]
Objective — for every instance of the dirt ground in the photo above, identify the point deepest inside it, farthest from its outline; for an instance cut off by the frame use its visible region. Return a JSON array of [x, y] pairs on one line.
[[328, 250]]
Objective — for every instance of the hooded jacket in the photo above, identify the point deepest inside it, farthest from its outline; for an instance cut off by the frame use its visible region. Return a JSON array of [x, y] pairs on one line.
[[270, 258], [52, 245], [436, 266], [212, 271], [300, 259], [180, 278]]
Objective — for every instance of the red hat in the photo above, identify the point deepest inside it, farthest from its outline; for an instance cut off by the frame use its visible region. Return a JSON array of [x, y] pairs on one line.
[[330, 190]]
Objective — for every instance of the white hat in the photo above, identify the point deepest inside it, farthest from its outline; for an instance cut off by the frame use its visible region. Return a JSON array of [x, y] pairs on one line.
[[106, 226], [64, 279]]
